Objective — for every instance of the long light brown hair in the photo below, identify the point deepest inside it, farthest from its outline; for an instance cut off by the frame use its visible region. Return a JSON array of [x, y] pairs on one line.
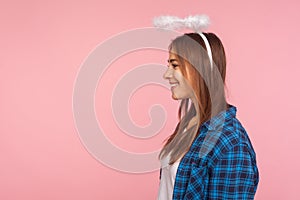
[[208, 87]]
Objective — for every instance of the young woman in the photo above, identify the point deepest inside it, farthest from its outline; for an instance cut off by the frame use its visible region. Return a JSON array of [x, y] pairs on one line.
[[209, 155]]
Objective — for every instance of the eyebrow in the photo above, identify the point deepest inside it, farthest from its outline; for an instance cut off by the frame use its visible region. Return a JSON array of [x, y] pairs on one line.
[[171, 60]]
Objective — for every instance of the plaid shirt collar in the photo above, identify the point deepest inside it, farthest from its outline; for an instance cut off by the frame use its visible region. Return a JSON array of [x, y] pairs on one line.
[[214, 122]]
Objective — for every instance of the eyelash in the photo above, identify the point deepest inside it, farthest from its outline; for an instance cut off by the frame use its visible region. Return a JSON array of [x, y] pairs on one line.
[[174, 65]]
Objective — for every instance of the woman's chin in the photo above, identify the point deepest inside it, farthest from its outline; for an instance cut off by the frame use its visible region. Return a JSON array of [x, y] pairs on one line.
[[175, 97]]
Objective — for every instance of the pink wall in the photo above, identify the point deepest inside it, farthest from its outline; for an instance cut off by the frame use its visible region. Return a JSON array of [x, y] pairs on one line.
[[43, 45]]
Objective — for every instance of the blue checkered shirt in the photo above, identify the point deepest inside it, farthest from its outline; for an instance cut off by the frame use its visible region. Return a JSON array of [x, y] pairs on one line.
[[220, 164]]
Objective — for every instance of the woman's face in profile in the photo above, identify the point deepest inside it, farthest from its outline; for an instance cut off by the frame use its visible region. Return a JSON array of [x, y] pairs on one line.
[[180, 87]]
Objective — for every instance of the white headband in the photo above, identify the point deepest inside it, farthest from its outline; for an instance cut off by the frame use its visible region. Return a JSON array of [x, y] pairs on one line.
[[196, 23], [208, 49]]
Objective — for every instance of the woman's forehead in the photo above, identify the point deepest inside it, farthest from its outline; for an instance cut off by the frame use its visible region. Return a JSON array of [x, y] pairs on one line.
[[172, 55]]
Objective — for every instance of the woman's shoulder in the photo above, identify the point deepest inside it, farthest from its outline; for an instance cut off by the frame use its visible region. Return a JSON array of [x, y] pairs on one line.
[[214, 143], [233, 133]]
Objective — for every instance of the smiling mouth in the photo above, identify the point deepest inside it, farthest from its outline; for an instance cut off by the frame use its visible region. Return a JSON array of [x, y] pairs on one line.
[[173, 85]]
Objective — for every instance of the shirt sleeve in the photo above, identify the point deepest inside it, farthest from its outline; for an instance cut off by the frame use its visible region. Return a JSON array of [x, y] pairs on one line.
[[234, 176]]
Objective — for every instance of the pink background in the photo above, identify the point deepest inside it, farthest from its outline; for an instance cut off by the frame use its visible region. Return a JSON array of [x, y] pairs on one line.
[[43, 45]]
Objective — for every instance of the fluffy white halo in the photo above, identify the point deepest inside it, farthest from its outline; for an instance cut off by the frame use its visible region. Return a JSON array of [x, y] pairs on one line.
[[196, 22]]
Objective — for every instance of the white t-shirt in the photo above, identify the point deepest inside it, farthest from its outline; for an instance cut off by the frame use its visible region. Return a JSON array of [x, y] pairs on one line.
[[167, 179]]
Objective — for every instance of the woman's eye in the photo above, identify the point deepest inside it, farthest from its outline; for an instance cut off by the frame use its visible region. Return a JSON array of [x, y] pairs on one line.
[[173, 66]]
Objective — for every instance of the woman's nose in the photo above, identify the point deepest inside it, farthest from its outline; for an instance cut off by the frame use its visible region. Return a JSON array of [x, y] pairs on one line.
[[168, 74]]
